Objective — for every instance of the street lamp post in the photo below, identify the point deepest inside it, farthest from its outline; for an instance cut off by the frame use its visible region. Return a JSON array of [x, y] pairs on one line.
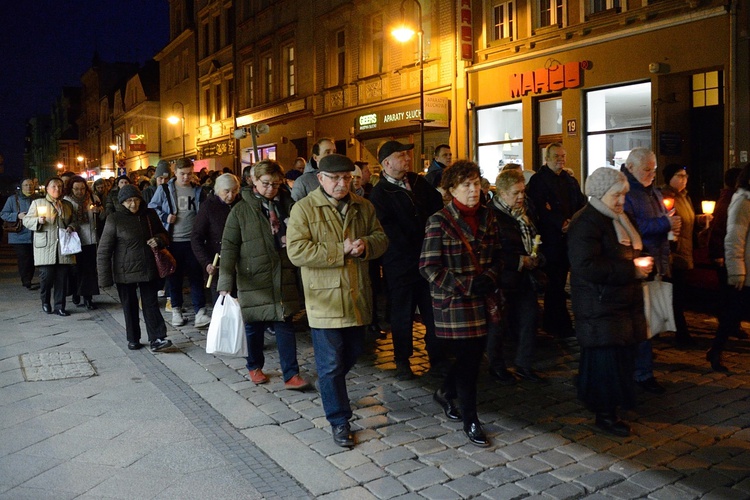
[[403, 34], [173, 119], [114, 149]]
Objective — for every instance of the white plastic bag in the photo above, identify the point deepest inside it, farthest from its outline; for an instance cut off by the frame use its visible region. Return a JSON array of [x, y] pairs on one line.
[[70, 243], [657, 299], [226, 334]]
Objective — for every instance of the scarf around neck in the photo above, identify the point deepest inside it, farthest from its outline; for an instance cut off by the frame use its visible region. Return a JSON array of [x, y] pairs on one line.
[[528, 231], [626, 233]]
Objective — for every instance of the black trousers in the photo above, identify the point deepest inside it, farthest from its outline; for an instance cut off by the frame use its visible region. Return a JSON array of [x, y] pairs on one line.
[[730, 318], [85, 282], [54, 276], [155, 326], [556, 316], [404, 299], [679, 297], [461, 380], [25, 257]]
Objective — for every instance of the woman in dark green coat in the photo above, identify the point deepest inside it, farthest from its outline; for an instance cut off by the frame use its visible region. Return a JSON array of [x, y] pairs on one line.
[[253, 247]]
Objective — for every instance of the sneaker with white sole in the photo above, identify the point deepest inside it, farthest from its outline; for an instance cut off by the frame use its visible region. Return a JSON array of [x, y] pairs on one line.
[[159, 344], [202, 319], [161, 294], [177, 318]]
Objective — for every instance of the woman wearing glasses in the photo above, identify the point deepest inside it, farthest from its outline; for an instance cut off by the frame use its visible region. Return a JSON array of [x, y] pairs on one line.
[[254, 247]]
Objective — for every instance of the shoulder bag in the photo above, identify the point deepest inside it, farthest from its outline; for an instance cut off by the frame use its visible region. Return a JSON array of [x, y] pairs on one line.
[[493, 302], [165, 261], [14, 227]]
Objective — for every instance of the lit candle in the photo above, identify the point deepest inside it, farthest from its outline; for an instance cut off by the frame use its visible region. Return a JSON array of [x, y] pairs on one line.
[[669, 203], [643, 261], [708, 206], [41, 210], [537, 243]]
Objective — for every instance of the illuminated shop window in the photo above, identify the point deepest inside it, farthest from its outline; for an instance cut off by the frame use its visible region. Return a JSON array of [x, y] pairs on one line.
[[500, 138], [618, 119], [707, 89]]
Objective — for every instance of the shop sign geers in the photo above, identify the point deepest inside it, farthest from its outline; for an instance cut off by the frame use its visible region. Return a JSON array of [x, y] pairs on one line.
[[551, 79]]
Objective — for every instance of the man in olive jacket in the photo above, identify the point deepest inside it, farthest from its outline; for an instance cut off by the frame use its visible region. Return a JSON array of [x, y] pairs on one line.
[[331, 235]]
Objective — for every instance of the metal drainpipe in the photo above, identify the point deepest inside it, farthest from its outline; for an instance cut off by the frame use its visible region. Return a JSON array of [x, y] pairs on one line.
[[732, 83]]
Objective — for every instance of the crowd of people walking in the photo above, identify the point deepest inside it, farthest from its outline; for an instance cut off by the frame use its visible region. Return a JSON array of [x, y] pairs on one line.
[[468, 263]]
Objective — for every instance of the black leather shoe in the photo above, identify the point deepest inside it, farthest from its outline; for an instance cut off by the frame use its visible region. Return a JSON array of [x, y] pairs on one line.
[[476, 434], [89, 304], [134, 346], [714, 358], [62, 312], [503, 376], [610, 423], [449, 408], [76, 299], [342, 435], [651, 385], [47, 308], [528, 374], [375, 330], [403, 372]]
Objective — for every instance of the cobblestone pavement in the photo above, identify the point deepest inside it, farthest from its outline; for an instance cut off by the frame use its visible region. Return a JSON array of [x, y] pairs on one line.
[[691, 442]]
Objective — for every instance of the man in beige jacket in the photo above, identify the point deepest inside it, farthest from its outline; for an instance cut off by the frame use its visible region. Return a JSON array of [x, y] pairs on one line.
[[331, 235]]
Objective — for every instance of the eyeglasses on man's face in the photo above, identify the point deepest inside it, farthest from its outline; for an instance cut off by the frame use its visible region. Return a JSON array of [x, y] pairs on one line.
[[338, 178]]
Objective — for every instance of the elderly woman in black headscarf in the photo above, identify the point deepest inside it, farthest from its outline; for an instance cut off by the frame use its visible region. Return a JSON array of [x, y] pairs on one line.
[[606, 271]]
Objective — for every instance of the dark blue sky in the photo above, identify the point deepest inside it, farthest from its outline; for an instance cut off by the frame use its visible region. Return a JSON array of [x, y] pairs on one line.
[[48, 44]]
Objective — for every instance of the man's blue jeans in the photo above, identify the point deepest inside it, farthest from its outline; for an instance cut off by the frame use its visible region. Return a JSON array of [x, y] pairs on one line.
[[336, 351], [286, 343], [186, 264]]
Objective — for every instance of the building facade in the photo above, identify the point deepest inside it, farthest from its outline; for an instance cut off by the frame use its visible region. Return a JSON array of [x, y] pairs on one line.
[[603, 77]]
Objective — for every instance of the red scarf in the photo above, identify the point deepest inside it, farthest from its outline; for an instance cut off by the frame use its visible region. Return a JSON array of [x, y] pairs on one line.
[[469, 214]]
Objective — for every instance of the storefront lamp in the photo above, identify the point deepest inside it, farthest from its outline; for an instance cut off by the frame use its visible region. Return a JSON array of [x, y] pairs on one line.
[[403, 34]]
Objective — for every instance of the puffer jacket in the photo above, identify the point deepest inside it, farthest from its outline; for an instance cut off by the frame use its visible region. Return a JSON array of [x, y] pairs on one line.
[[737, 240], [607, 297], [307, 182], [123, 255], [645, 207], [337, 288], [266, 279], [46, 240], [10, 214]]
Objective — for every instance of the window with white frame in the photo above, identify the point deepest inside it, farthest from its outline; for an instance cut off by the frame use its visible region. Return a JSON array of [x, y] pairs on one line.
[[267, 78], [618, 119], [500, 138], [707, 89], [249, 85], [290, 78], [503, 21], [550, 13]]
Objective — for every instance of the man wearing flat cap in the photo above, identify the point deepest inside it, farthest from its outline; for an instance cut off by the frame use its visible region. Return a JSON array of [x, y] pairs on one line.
[[403, 202], [331, 236]]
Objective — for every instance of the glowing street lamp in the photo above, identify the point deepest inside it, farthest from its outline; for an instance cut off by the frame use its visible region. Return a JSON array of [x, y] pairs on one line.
[[403, 34], [174, 120]]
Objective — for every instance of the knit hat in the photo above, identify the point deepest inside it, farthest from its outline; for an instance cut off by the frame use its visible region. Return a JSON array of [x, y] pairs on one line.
[[128, 191], [672, 169], [390, 147], [335, 163], [602, 179], [162, 168]]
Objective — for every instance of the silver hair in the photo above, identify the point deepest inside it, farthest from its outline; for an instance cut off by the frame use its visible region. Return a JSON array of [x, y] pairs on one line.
[[638, 157], [226, 181]]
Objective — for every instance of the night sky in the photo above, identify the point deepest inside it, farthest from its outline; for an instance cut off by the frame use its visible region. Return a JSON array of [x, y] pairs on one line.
[[48, 44]]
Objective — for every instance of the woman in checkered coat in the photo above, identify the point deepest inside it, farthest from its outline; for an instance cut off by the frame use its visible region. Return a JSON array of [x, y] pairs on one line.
[[459, 284]]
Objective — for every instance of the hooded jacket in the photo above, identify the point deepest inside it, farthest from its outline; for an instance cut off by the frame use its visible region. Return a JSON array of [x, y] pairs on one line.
[[307, 182]]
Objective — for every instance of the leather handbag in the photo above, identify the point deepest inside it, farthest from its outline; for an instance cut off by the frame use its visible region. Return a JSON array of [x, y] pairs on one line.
[[165, 261], [14, 227]]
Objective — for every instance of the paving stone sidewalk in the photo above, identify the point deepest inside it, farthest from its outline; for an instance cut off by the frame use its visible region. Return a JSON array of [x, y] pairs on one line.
[[691, 442]]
